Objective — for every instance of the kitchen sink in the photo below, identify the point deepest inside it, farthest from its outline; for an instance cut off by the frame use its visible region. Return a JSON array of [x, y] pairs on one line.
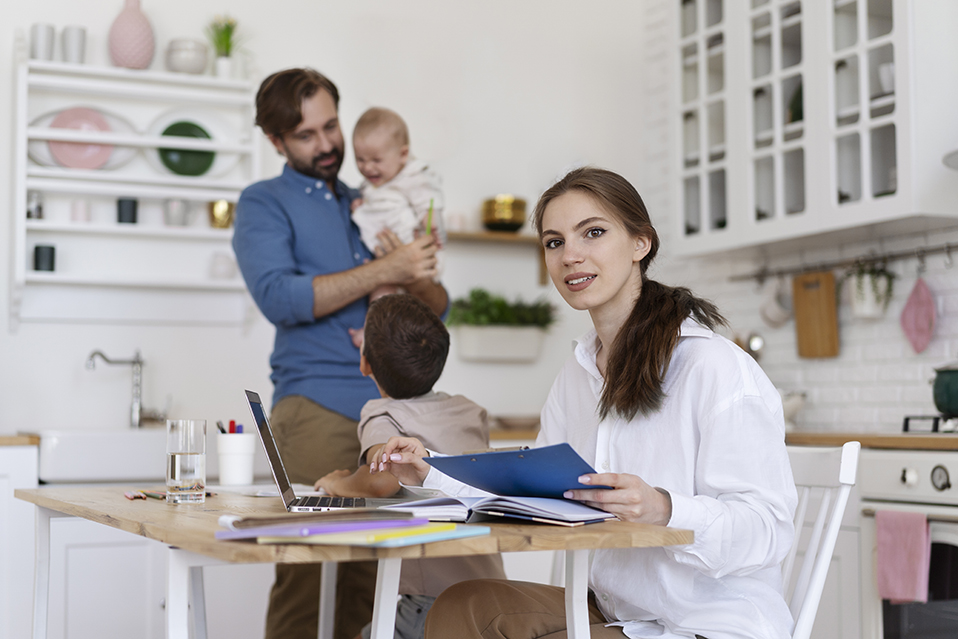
[[120, 455], [102, 455]]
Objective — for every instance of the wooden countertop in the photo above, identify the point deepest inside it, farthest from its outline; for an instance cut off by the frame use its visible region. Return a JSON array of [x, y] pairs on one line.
[[900, 441], [19, 440], [191, 527]]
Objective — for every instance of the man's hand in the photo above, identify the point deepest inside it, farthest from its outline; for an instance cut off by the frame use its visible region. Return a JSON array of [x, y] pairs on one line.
[[630, 499], [328, 482], [407, 262], [403, 458]]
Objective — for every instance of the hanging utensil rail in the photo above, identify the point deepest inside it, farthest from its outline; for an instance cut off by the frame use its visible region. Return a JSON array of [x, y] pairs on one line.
[[920, 253]]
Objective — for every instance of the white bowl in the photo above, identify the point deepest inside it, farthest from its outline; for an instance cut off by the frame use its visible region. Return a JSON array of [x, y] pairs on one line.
[[186, 56]]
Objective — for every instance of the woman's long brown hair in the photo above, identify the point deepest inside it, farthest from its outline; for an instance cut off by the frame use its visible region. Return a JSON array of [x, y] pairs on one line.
[[641, 352]]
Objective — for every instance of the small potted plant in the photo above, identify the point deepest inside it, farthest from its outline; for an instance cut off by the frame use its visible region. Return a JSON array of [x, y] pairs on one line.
[[222, 34], [490, 328], [871, 289]]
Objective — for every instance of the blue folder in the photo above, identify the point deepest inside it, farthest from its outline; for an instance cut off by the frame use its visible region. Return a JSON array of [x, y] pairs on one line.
[[535, 472]]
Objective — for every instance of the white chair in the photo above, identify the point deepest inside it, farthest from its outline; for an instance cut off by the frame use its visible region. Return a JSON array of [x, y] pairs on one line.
[[830, 472]]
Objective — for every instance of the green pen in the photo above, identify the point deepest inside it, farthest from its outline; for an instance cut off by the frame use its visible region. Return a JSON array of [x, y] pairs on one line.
[[429, 218]]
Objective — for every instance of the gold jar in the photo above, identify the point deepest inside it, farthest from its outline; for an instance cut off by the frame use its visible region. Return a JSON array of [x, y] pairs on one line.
[[221, 214], [504, 213]]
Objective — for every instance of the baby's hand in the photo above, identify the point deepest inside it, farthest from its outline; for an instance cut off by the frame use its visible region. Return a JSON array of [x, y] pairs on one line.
[[328, 482], [355, 204]]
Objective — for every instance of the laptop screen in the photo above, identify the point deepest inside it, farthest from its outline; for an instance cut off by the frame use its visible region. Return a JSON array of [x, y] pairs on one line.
[[269, 444]]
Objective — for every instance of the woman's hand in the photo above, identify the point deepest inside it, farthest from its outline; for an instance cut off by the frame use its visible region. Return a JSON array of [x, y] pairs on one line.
[[328, 482], [402, 457], [630, 499]]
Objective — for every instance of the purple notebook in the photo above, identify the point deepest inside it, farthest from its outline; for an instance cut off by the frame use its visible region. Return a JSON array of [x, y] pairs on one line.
[[316, 528]]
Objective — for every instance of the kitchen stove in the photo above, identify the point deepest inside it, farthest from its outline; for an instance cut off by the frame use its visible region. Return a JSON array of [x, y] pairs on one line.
[[913, 481], [939, 423]]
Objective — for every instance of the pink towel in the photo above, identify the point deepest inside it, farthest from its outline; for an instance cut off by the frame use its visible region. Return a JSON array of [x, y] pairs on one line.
[[904, 556]]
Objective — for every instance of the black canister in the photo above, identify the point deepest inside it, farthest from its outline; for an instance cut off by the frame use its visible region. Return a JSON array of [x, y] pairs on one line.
[[44, 257], [126, 210]]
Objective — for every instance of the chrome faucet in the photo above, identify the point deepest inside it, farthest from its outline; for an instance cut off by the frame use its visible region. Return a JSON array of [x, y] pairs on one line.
[[137, 413]]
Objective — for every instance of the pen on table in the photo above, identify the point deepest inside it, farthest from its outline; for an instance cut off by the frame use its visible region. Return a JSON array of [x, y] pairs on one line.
[[219, 425], [429, 218]]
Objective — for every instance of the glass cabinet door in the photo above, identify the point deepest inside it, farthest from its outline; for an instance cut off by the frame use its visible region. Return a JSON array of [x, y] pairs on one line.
[[703, 72]]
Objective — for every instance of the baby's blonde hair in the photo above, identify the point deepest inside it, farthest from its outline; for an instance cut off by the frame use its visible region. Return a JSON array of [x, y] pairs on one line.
[[380, 118]]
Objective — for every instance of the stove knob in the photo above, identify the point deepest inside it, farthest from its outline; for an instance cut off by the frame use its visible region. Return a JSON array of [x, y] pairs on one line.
[[939, 478], [909, 476]]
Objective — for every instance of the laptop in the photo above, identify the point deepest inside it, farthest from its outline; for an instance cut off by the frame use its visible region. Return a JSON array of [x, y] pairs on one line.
[[296, 504]]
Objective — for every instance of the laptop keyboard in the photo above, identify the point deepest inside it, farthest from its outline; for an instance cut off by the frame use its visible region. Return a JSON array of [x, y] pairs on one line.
[[332, 502]]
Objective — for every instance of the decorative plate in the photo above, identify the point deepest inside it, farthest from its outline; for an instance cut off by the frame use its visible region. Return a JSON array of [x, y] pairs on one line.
[[194, 123], [185, 161], [77, 155]]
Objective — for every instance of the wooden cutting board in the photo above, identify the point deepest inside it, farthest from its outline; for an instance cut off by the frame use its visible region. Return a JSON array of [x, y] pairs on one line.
[[816, 314]]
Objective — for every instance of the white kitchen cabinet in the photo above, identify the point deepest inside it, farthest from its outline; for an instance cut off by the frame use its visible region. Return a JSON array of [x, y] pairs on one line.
[[798, 118], [18, 469], [106, 270]]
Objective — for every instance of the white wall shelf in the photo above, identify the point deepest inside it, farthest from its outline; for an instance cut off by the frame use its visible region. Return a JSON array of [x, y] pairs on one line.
[[108, 271], [824, 137]]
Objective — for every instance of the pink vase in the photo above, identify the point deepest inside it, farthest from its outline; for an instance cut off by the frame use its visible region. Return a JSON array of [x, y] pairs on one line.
[[131, 38]]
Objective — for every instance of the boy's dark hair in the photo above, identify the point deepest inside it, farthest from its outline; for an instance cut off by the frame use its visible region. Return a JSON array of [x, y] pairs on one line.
[[406, 345], [280, 98]]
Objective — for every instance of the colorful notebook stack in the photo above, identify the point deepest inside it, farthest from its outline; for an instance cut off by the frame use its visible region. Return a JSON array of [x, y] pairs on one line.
[[355, 527]]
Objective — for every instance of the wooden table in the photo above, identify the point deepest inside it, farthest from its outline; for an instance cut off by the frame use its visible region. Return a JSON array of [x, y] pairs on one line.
[[189, 530]]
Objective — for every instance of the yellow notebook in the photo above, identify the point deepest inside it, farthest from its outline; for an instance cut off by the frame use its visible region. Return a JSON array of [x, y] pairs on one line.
[[361, 537]]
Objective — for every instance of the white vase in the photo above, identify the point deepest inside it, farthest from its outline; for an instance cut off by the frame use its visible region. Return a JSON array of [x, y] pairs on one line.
[[870, 295], [499, 343], [224, 67]]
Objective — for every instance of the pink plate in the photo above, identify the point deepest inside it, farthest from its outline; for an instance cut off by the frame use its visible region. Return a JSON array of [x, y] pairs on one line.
[[77, 155]]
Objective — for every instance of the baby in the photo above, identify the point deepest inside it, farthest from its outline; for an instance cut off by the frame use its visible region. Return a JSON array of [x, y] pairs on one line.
[[400, 193]]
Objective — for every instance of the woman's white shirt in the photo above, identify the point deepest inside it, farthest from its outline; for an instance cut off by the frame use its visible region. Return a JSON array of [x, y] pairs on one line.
[[717, 445]]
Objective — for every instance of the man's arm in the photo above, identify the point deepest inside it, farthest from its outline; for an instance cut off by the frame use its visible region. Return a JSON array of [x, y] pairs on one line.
[[411, 265]]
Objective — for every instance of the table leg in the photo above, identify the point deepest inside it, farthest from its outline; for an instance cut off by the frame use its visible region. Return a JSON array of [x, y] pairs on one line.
[[183, 570], [177, 595], [41, 580], [327, 599], [198, 598], [577, 593], [387, 591]]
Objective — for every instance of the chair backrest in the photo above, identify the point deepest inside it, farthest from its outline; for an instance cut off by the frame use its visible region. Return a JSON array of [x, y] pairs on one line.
[[831, 473]]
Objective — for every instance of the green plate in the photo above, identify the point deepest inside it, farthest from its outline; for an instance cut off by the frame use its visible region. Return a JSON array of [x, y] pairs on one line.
[[184, 162]]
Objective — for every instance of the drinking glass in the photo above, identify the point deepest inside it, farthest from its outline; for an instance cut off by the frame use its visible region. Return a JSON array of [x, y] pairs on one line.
[[185, 461]]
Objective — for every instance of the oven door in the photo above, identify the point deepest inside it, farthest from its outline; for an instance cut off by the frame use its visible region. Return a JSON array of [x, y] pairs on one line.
[[933, 620]]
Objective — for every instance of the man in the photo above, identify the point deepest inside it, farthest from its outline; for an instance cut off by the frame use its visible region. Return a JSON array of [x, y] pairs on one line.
[[309, 272]]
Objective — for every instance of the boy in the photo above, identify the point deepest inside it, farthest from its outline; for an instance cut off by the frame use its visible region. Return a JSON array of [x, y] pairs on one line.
[[400, 192], [404, 351]]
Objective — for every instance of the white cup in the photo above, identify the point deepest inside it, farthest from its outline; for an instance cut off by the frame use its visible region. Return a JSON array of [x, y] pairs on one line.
[[42, 37], [80, 210], [775, 310], [223, 266], [235, 452], [177, 212], [73, 44]]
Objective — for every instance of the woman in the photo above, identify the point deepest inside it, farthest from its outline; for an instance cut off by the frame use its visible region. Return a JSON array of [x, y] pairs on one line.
[[684, 426]]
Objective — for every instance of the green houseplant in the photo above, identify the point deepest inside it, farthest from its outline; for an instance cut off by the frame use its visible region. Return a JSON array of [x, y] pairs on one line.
[[490, 328], [871, 290], [222, 34]]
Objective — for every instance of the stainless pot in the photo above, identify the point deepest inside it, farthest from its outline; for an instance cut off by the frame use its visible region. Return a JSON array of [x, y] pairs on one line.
[[946, 389]]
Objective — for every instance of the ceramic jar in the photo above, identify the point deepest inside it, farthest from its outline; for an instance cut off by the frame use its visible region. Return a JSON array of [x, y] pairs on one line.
[[131, 38], [186, 56]]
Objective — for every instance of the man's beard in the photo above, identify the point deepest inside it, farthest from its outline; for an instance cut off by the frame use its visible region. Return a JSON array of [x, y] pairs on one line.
[[313, 168]]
